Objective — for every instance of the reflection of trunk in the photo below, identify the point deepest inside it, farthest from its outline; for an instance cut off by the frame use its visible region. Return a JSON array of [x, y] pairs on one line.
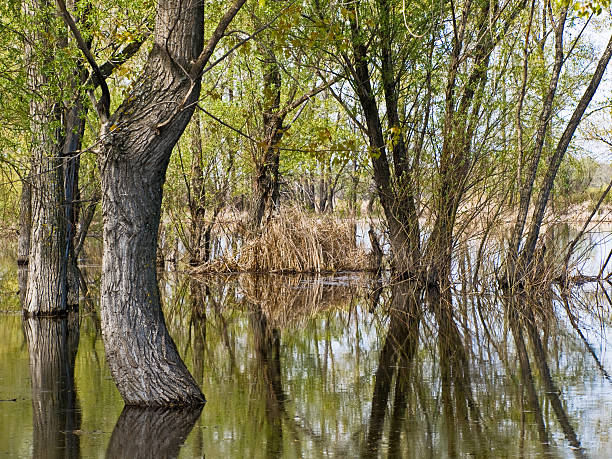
[[267, 350], [198, 294], [521, 315], [455, 373], [151, 432], [551, 390], [397, 354], [526, 374], [52, 345]]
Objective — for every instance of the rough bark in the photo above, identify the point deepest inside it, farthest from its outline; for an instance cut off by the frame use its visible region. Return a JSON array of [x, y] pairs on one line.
[[23, 241], [46, 284], [265, 180], [138, 142]]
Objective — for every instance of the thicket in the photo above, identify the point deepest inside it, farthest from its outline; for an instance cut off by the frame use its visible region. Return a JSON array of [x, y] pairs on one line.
[[283, 123]]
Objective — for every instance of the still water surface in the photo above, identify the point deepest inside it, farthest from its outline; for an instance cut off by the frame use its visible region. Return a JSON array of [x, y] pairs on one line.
[[313, 367]]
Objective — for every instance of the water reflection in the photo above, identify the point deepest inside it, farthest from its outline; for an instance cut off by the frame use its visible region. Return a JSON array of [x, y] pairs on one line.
[[151, 432], [52, 345], [521, 317], [395, 359], [337, 367], [269, 384]]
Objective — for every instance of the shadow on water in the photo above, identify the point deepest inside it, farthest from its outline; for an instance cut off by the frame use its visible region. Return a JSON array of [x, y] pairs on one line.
[[151, 432], [52, 345]]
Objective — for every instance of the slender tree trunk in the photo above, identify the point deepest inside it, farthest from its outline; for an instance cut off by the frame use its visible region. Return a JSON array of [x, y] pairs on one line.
[[557, 157], [397, 202], [199, 252]]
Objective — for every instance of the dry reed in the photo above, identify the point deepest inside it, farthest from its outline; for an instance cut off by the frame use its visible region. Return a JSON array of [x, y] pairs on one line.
[[295, 242]]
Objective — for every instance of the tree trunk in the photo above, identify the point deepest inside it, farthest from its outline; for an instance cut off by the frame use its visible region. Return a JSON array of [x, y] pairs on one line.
[[397, 200], [199, 252], [142, 356], [138, 141], [265, 181], [23, 242], [46, 284]]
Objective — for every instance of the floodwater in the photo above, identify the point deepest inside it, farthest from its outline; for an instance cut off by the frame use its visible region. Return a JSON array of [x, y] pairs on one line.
[[318, 367]]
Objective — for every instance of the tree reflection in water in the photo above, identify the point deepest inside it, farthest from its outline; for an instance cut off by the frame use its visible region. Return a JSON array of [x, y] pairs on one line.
[[300, 367], [395, 358], [522, 316], [151, 432], [52, 346]]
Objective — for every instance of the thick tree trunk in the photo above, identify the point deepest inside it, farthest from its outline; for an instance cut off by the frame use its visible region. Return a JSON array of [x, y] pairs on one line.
[[23, 242], [142, 356], [138, 142], [46, 285]]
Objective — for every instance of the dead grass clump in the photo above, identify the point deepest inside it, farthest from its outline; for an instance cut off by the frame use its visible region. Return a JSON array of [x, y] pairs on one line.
[[295, 242]]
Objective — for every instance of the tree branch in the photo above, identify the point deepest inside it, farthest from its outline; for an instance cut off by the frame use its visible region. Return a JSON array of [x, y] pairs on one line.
[[103, 105]]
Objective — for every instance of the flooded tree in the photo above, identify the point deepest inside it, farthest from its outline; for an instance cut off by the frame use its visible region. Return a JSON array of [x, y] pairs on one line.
[[50, 228], [43, 228], [523, 249], [136, 144]]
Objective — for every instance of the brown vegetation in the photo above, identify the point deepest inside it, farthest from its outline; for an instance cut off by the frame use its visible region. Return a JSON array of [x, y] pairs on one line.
[[294, 242]]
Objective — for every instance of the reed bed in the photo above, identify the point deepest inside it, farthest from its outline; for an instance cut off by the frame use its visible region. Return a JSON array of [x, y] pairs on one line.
[[295, 242]]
